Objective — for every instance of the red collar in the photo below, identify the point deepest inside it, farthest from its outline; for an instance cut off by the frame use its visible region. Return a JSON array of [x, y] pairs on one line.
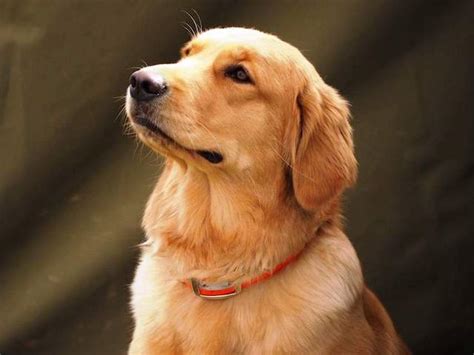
[[226, 289]]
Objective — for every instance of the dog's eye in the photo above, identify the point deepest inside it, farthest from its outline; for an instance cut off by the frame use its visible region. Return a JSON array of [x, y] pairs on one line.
[[238, 74], [186, 51]]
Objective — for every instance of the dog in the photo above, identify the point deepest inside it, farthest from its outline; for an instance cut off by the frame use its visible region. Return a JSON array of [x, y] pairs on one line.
[[245, 250]]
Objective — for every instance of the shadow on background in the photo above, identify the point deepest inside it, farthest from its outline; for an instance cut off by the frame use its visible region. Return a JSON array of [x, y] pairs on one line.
[[73, 187]]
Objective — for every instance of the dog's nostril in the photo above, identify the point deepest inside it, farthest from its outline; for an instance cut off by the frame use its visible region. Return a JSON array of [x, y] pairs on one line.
[[148, 87], [154, 88], [133, 82]]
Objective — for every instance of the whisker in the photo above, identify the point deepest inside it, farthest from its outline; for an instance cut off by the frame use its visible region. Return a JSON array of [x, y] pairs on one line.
[[120, 113], [255, 187], [196, 32], [128, 129], [188, 28], [199, 19], [149, 153], [291, 166], [119, 98]]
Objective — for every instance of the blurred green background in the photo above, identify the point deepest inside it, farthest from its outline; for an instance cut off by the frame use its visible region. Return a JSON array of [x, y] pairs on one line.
[[73, 186]]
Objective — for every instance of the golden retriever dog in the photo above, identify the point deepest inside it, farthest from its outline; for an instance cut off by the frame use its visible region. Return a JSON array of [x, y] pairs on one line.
[[245, 251]]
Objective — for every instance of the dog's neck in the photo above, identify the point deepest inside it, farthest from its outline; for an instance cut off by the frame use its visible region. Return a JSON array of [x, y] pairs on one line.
[[213, 227]]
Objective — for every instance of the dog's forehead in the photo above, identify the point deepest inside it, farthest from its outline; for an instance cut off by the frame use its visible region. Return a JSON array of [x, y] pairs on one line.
[[232, 34], [243, 37]]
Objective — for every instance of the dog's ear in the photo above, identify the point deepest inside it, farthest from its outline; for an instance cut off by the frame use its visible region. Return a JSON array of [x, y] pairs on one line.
[[323, 162]]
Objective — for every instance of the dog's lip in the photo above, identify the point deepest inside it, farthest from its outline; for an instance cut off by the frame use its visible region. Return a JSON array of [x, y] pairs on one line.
[[144, 121], [211, 156]]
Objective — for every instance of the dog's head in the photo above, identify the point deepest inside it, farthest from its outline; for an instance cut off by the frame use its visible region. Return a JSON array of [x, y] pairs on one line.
[[244, 103]]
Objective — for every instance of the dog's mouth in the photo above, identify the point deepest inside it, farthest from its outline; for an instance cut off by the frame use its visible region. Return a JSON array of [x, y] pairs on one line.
[[211, 156], [151, 126]]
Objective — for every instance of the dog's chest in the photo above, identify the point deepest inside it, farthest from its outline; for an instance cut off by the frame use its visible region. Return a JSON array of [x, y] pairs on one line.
[[232, 326], [300, 309]]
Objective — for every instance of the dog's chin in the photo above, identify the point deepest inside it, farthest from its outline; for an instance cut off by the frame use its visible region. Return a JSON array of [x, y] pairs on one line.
[[157, 139]]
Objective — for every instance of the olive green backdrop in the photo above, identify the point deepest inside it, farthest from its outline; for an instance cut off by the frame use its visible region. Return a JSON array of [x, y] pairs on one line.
[[73, 186]]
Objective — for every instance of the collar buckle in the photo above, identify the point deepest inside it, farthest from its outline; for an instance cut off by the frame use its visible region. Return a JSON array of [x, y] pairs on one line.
[[217, 291]]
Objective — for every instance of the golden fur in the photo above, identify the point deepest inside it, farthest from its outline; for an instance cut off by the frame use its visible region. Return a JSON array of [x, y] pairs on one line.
[[288, 155]]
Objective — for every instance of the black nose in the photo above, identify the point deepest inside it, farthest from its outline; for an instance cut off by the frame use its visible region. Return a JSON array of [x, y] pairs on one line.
[[145, 86]]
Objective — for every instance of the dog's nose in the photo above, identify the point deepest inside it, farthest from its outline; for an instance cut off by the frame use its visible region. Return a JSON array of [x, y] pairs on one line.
[[145, 86]]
